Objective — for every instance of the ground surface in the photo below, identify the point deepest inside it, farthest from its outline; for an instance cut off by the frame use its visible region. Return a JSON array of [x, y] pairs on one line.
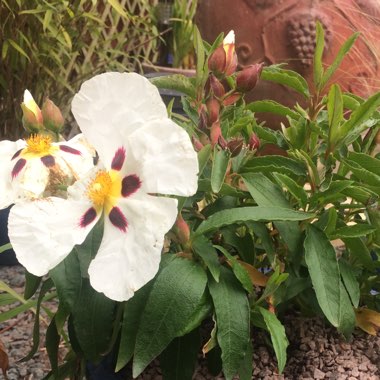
[[315, 352]]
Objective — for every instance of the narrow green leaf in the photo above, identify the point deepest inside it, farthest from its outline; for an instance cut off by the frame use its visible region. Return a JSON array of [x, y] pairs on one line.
[[359, 120], [318, 53], [362, 173], [203, 157], [323, 267], [32, 283], [246, 367], [359, 252], [292, 186], [272, 107], [369, 163], [331, 222], [18, 48], [200, 53], [360, 194], [244, 214], [179, 358], [286, 77], [5, 247], [166, 313], [205, 185], [52, 343], [335, 113], [279, 164], [356, 230], [278, 336], [350, 282], [220, 162], [133, 310], [338, 59], [175, 82], [239, 271], [347, 319], [115, 4], [204, 248], [233, 333]]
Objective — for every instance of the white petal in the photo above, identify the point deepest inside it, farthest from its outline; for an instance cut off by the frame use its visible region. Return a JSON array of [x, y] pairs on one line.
[[112, 105], [164, 158], [127, 261], [44, 232], [7, 150]]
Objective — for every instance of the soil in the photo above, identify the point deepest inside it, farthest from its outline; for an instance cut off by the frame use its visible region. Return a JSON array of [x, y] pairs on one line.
[[316, 350]]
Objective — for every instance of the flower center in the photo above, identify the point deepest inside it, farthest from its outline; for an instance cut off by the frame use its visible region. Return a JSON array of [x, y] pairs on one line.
[[100, 188], [38, 144]]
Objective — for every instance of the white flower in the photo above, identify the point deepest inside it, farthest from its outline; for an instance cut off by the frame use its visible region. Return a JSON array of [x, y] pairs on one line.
[[145, 155], [38, 167]]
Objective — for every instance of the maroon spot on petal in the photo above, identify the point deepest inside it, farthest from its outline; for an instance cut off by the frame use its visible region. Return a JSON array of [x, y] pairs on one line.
[[48, 161], [18, 167], [87, 217], [69, 149], [118, 219], [129, 185], [118, 160], [16, 154]]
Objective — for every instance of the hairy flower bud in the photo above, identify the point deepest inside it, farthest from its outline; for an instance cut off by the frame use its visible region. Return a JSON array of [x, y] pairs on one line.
[[235, 146], [32, 115], [215, 133], [231, 99], [183, 229], [254, 142], [53, 119], [217, 60], [246, 79], [214, 87], [213, 109], [197, 144]]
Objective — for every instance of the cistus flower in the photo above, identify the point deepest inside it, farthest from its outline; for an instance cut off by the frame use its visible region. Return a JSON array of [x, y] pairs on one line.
[[37, 167], [32, 115], [144, 157]]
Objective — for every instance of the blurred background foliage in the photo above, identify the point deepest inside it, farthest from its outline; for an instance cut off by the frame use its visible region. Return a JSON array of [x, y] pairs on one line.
[[51, 47]]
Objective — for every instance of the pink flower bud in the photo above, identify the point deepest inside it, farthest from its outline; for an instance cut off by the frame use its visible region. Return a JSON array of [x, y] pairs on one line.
[[32, 115], [53, 119], [231, 99], [202, 125], [246, 79], [254, 142], [235, 146], [183, 229], [213, 108], [217, 60], [215, 133], [214, 87], [197, 144]]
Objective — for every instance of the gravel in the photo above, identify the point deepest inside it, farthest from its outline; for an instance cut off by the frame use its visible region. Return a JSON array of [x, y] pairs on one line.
[[316, 350]]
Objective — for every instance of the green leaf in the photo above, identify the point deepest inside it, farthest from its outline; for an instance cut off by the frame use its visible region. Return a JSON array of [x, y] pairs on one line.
[[356, 230], [338, 59], [278, 337], [205, 185], [347, 319], [369, 163], [273, 284], [18, 48], [350, 282], [286, 77], [323, 267], [203, 157], [272, 107], [233, 333], [335, 113], [359, 120], [166, 313], [219, 168], [239, 271], [5, 247], [246, 367], [52, 343], [244, 214], [292, 186], [359, 252], [32, 283], [279, 164], [200, 53], [93, 317], [177, 82], [179, 358], [115, 4], [204, 248], [363, 174], [318, 53], [360, 194]]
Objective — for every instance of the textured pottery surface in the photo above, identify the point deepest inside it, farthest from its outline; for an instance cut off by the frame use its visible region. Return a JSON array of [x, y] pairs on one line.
[[278, 31]]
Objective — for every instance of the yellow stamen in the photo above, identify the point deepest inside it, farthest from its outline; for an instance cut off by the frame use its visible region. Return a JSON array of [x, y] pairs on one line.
[[100, 188], [38, 144]]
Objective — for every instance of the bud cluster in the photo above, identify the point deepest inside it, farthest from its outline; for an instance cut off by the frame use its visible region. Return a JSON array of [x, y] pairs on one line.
[[225, 86], [36, 120]]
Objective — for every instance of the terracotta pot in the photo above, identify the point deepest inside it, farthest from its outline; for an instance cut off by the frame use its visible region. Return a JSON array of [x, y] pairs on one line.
[[277, 31]]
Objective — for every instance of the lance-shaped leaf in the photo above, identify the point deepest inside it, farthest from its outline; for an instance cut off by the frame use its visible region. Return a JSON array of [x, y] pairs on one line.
[[233, 320], [175, 82], [272, 107], [219, 168], [335, 113]]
